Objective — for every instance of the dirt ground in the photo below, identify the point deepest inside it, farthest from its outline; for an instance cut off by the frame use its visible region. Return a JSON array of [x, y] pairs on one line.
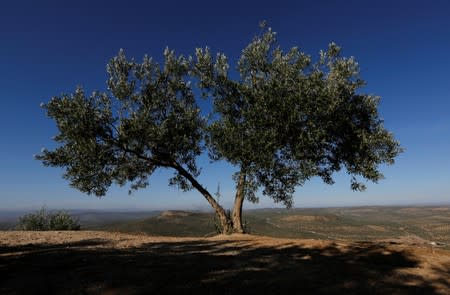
[[88, 262]]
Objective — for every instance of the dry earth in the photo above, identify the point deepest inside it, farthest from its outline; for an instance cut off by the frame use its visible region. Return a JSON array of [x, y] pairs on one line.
[[88, 262]]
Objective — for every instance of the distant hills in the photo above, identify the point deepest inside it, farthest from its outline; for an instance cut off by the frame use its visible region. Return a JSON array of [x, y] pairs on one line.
[[417, 224]]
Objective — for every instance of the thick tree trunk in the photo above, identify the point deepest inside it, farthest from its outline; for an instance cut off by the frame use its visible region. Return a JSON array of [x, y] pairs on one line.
[[224, 218], [237, 208]]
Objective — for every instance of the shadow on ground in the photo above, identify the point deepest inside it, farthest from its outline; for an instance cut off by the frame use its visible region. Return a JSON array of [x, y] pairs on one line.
[[209, 267]]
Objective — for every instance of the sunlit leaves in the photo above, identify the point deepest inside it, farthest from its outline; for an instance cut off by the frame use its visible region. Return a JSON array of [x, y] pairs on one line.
[[288, 119], [148, 119]]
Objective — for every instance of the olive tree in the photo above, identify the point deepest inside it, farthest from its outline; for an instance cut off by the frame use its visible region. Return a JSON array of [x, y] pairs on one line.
[[284, 120]]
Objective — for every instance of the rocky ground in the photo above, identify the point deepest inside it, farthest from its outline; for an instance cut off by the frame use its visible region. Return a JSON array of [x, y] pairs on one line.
[[89, 262]]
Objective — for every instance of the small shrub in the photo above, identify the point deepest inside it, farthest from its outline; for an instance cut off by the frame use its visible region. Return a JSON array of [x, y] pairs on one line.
[[43, 220], [62, 220], [34, 221]]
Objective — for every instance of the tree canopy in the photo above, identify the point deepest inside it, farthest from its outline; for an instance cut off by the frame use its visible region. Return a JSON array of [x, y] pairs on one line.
[[284, 120], [148, 119]]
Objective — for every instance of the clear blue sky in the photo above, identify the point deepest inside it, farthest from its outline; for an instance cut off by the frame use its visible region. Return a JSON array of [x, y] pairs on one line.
[[48, 48]]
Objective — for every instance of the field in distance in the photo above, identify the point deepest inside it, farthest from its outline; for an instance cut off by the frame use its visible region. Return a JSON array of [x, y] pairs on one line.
[[420, 225]]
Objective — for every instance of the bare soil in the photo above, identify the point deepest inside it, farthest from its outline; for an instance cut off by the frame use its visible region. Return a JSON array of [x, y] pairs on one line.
[[88, 262]]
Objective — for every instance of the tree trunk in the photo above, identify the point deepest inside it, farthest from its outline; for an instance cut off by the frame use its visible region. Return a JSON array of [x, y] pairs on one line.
[[237, 208], [224, 218]]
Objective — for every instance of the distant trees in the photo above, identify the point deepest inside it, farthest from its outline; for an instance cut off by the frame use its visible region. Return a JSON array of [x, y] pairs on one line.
[[43, 220], [284, 120]]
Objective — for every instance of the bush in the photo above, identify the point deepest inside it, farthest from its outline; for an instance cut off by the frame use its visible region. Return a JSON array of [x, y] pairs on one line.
[[34, 221], [62, 220], [43, 220]]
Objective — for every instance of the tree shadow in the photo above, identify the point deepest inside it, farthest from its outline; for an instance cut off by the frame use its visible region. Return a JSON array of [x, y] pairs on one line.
[[33, 248], [212, 267]]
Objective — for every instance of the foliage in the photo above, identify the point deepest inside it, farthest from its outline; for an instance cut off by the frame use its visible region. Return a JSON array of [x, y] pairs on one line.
[[285, 120], [148, 119], [288, 119], [43, 220], [34, 221], [62, 220]]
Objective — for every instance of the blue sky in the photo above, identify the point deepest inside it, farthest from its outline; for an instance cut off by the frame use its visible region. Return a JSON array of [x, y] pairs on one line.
[[50, 47]]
